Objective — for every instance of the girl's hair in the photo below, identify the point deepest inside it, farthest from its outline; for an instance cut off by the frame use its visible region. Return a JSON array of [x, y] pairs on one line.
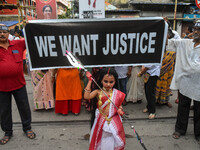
[[110, 71]]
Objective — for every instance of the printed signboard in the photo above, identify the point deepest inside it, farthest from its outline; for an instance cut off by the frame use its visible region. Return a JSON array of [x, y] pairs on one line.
[[91, 8], [46, 9]]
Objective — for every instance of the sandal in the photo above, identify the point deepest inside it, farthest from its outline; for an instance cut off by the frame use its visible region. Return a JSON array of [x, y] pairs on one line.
[[152, 116], [176, 135], [5, 140], [30, 134]]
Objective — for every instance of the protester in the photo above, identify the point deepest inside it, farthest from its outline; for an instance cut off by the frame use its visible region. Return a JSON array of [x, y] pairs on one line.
[[188, 31], [85, 102], [43, 80], [189, 35], [176, 35], [163, 90], [107, 132], [186, 80], [10, 36], [68, 91], [123, 79], [135, 86], [43, 95], [18, 34], [152, 72], [13, 83], [91, 104]]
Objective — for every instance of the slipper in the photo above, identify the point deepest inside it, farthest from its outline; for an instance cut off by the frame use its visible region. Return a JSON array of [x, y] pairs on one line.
[[5, 140], [30, 134], [152, 116], [176, 135]]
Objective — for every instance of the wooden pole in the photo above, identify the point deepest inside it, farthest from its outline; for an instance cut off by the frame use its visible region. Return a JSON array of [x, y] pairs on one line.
[[18, 7], [184, 18], [175, 9], [21, 14]]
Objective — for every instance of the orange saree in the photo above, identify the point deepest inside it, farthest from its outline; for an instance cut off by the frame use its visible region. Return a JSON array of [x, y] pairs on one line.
[[68, 91]]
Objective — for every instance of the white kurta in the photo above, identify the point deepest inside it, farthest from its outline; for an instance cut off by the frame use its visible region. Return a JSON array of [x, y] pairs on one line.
[[186, 77]]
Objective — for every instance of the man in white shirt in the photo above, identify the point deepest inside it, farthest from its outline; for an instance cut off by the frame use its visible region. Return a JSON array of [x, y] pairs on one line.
[[150, 85], [186, 79]]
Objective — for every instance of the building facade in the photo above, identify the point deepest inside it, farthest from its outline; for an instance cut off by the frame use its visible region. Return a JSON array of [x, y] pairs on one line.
[[163, 8]]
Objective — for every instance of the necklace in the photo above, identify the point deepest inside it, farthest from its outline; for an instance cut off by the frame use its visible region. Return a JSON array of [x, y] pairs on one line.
[[109, 96], [107, 90]]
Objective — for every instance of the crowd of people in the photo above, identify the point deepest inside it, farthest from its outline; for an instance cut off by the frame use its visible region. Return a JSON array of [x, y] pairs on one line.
[[120, 85]]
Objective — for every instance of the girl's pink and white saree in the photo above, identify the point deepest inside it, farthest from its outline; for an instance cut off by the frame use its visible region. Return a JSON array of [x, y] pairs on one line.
[[107, 132]]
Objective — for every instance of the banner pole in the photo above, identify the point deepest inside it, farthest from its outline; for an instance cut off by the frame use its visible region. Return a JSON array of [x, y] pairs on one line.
[[175, 9]]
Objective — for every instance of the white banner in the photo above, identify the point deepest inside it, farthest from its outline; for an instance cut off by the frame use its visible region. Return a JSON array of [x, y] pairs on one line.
[[91, 8]]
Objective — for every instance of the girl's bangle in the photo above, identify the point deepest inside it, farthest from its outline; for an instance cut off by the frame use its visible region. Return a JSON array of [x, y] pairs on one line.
[[86, 90]]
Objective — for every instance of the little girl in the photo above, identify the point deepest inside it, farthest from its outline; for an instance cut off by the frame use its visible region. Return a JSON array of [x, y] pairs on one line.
[[107, 131]]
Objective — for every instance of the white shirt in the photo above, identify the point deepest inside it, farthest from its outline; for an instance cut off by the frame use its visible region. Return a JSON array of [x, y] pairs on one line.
[[176, 35], [187, 68], [153, 70], [121, 71], [16, 38], [10, 37]]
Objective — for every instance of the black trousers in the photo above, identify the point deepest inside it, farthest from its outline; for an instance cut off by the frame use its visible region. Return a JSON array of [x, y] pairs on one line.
[[150, 93], [183, 115], [21, 99]]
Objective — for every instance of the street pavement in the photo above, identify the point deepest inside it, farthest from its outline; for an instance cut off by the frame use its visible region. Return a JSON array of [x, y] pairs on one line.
[[67, 132]]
